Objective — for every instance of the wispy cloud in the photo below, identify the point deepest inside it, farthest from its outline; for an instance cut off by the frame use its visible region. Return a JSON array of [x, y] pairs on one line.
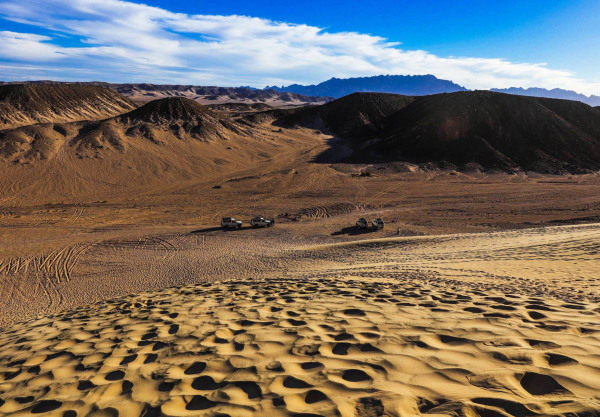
[[122, 41]]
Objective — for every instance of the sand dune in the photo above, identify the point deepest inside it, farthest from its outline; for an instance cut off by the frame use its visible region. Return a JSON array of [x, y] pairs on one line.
[[307, 347], [552, 261]]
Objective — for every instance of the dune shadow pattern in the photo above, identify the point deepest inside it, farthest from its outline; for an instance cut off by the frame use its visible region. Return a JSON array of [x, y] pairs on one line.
[[306, 347]]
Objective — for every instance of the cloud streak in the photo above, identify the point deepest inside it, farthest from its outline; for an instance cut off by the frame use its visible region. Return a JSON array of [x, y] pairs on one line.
[[120, 41]]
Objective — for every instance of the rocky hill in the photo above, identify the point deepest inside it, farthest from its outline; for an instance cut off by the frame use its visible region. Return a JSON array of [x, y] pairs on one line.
[[160, 122], [491, 130], [144, 92], [350, 116], [180, 116], [215, 95]]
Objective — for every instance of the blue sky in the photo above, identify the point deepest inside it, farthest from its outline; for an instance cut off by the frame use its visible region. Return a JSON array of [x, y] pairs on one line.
[[478, 44]]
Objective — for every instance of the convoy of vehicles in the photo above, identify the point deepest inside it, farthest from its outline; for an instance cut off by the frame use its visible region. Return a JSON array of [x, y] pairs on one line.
[[363, 223], [259, 221]]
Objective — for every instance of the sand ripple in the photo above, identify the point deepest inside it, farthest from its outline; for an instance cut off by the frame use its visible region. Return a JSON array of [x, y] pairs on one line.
[[306, 347]]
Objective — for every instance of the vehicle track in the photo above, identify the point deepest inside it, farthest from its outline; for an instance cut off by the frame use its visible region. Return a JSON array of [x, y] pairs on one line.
[[146, 242], [322, 212], [57, 266]]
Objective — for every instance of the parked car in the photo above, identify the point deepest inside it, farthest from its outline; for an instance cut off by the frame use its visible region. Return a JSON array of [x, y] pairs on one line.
[[231, 222], [362, 223], [259, 221], [378, 223]]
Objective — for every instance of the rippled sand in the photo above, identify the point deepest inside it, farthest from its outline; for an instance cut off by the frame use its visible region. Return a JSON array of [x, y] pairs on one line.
[[308, 347]]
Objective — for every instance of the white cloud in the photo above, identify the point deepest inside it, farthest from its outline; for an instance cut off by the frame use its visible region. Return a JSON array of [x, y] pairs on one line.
[[27, 47], [123, 41]]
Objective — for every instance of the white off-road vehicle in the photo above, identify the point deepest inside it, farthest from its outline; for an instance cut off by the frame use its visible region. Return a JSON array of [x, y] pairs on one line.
[[362, 223], [261, 222], [231, 222], [378, 223]]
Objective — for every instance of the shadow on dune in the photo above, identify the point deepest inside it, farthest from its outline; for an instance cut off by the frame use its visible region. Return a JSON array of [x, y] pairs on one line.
[[222, 229], [206, 230], [353, 231]]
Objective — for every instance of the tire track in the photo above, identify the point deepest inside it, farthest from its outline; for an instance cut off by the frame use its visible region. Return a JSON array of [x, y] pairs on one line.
[[322, 212], [57, 266]]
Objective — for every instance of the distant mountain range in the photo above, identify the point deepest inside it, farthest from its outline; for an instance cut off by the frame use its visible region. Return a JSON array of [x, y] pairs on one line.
[[142, 93], [417, 85], [301, 95], [408, 85], [554, 93]]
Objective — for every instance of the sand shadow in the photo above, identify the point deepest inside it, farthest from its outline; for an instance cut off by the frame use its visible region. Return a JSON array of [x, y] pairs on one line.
[[353, 231], [206, 230], [219, 228], [339, 151]]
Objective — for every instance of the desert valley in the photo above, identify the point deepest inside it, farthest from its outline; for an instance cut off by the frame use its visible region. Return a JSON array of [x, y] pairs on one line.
[[122, 295]]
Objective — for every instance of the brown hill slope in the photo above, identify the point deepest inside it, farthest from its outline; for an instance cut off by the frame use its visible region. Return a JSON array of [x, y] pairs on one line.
[[118, 159], [180, 116], [26, 104], [168, 110], [490, 129], [161, 122]]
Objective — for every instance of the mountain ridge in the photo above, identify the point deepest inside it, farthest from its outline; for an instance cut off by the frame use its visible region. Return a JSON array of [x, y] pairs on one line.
[[144, 92], [409, 85], [301, 95], [488, 129], [557, 93]]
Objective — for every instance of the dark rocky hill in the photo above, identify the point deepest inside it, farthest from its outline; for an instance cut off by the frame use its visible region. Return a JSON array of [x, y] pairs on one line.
[[495, 131], [176, 116], [492, 130], [169, 110], [350, 116]]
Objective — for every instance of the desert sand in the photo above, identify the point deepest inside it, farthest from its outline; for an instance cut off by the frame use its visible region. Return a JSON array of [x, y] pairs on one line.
[[120, 295], [498, 324]]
